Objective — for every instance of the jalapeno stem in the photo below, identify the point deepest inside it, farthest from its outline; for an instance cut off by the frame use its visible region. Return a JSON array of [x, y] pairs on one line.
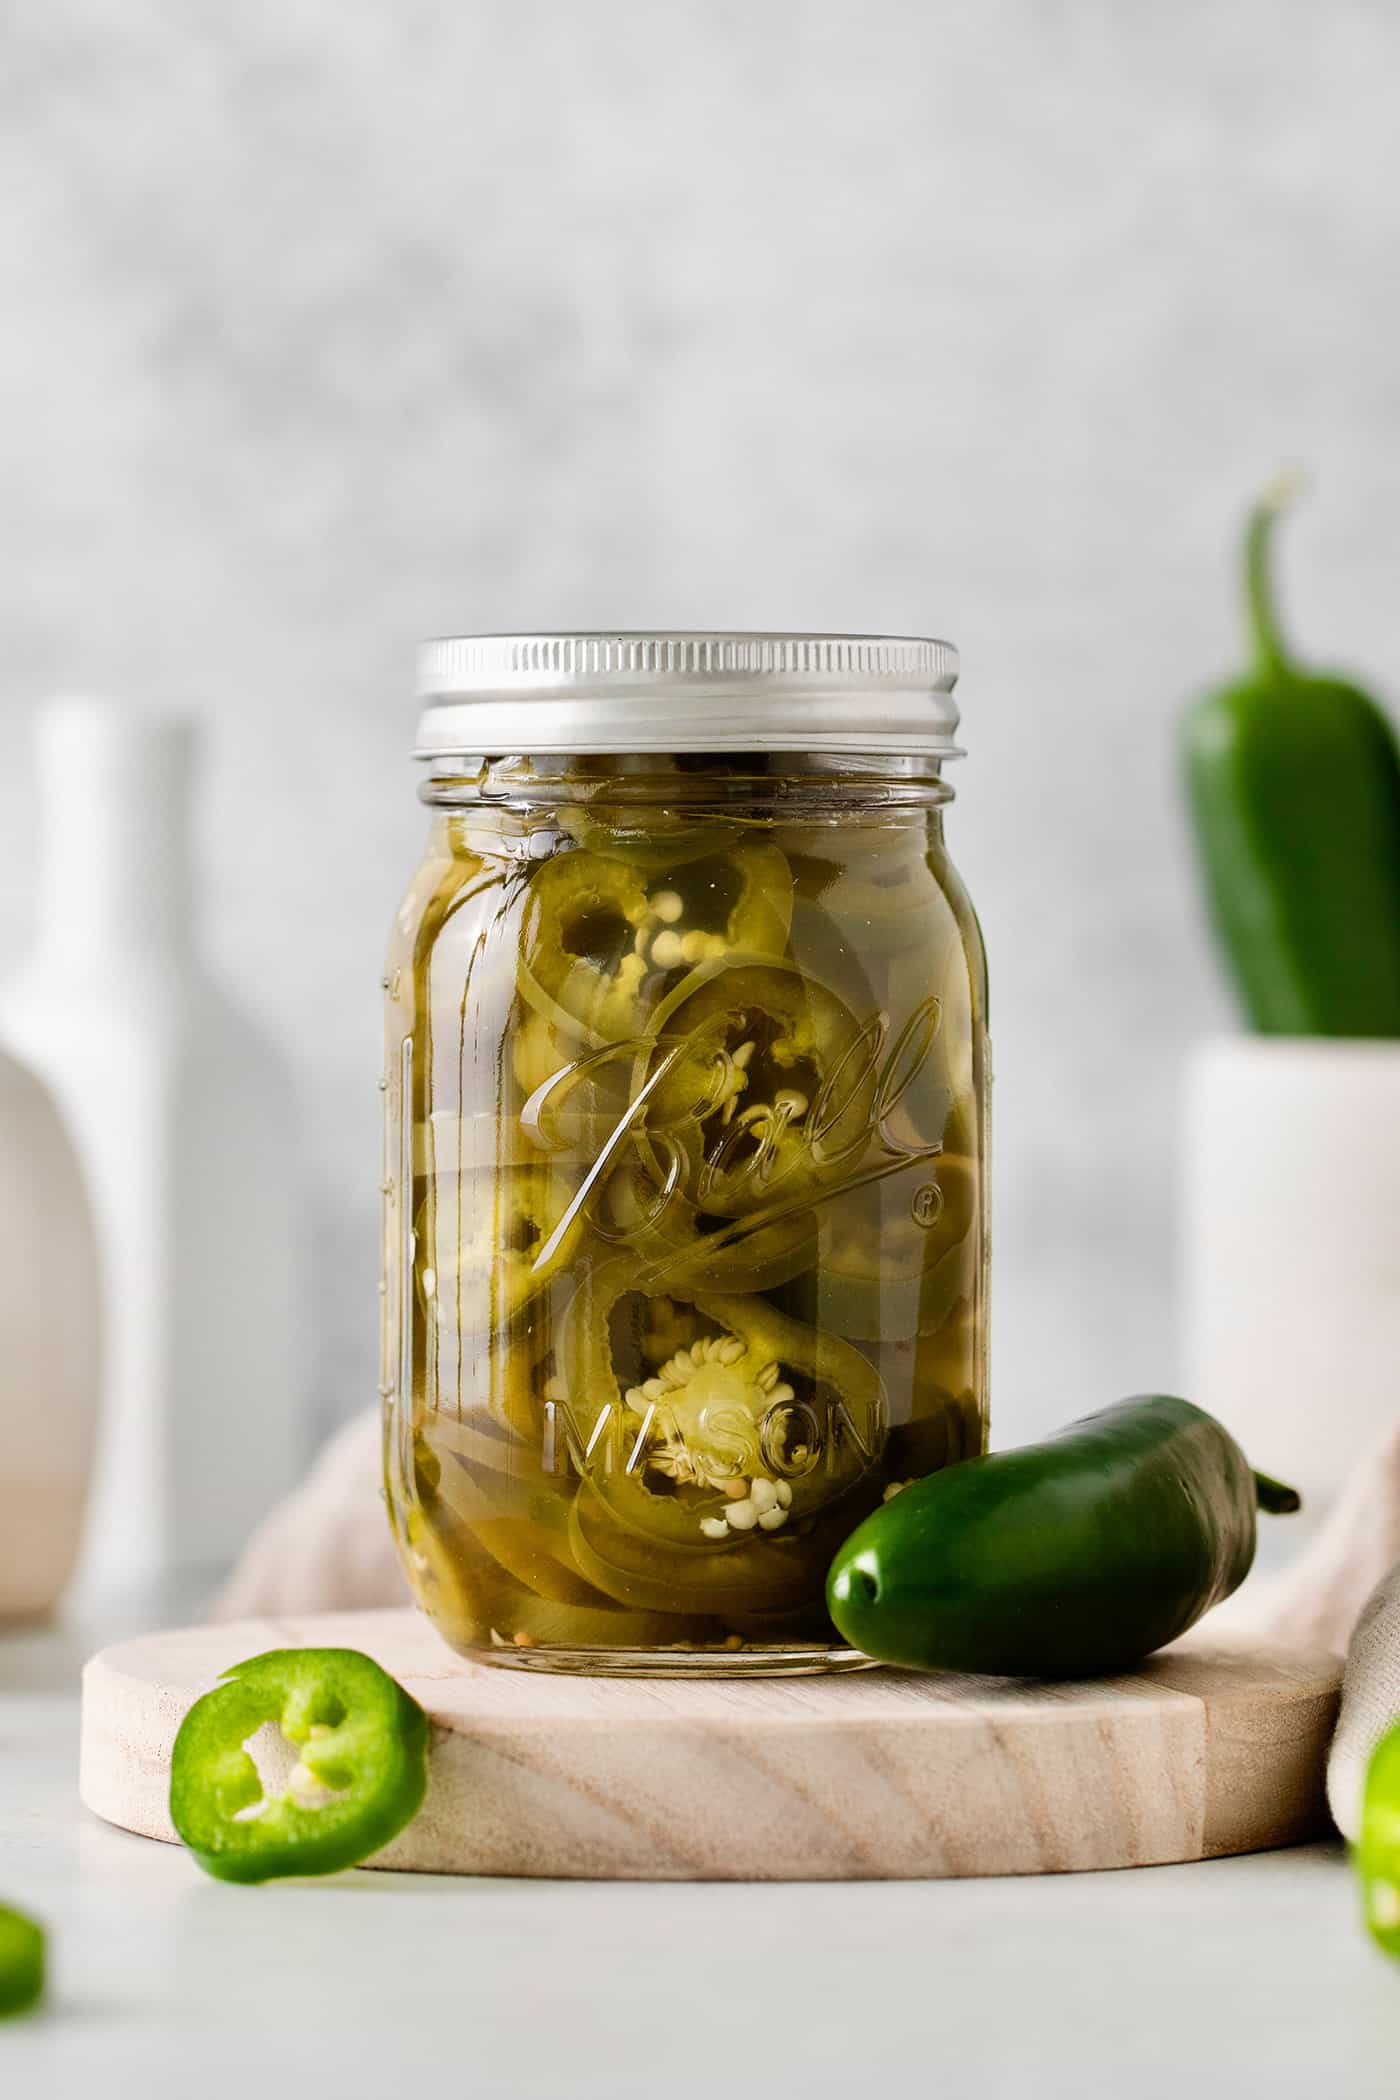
[[1275, 1497], [1271, 653]]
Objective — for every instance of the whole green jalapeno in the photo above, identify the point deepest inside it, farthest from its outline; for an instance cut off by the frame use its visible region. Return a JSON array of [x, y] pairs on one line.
[[1068, 1558]]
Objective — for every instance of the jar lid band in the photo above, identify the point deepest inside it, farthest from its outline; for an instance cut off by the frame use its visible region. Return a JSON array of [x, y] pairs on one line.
[[667, 692]]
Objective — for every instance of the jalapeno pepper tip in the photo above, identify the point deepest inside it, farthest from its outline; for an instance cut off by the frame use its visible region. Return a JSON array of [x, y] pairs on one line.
[[852, 1593]]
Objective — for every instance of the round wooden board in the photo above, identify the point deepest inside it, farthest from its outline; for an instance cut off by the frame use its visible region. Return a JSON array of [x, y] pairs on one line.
[[877, 1775]]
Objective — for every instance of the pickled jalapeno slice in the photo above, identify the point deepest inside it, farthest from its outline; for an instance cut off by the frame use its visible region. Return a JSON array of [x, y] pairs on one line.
[[488, 1242], [504, 1371], [884, 904], [754, 1575], [359, 1779], [758, 1081], [896, 1256], [580, 964], [751, 1424], [673, 1242], [472, 1595], [601, 938], [604, 818]]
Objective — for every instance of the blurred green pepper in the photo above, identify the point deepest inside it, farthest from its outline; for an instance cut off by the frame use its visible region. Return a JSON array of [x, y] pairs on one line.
[[21, 1962], [1293, 780], [1378, 1853]]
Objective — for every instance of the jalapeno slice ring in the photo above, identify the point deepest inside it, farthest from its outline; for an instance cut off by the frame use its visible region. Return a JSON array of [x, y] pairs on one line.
[[672, 1242], [761, 1084], [894, 1263], [710, 1471], [601, 940], [360, 1778], [487, 1242]]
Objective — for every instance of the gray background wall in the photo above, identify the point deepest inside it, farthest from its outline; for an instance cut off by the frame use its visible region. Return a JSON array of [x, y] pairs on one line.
[[326, 326]]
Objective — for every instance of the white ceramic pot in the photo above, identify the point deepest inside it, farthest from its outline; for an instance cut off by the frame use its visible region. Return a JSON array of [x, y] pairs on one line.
[[1291, 1248]]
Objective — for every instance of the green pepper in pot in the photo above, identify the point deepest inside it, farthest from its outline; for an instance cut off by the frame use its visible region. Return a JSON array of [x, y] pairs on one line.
[[1293, 779]]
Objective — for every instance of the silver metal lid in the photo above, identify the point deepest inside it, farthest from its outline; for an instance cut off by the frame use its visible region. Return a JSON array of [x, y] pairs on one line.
[[495, 694]]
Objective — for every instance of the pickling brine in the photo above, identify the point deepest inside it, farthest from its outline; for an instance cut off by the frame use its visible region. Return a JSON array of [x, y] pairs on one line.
[[685, 1233]]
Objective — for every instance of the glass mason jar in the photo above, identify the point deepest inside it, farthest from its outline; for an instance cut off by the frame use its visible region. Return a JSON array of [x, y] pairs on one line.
[[686, 1093]]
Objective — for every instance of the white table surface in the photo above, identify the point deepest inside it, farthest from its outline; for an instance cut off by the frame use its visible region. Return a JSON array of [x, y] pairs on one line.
[[1240, 1977]]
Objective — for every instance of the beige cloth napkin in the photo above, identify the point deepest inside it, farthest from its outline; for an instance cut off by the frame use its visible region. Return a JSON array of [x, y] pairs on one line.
[[1316, 1601], [327, 1548], [1343, 1592], [1370, 1702]]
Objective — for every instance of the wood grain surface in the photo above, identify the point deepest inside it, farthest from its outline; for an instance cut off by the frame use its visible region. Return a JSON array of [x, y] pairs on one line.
[[877, 1775]]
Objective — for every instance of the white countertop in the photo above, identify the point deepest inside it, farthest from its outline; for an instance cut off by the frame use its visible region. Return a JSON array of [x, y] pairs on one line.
[[1246, 1976]]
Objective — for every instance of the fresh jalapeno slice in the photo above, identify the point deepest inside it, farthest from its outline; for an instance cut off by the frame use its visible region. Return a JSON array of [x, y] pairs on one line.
[[21, 1962], [360, 1778]]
